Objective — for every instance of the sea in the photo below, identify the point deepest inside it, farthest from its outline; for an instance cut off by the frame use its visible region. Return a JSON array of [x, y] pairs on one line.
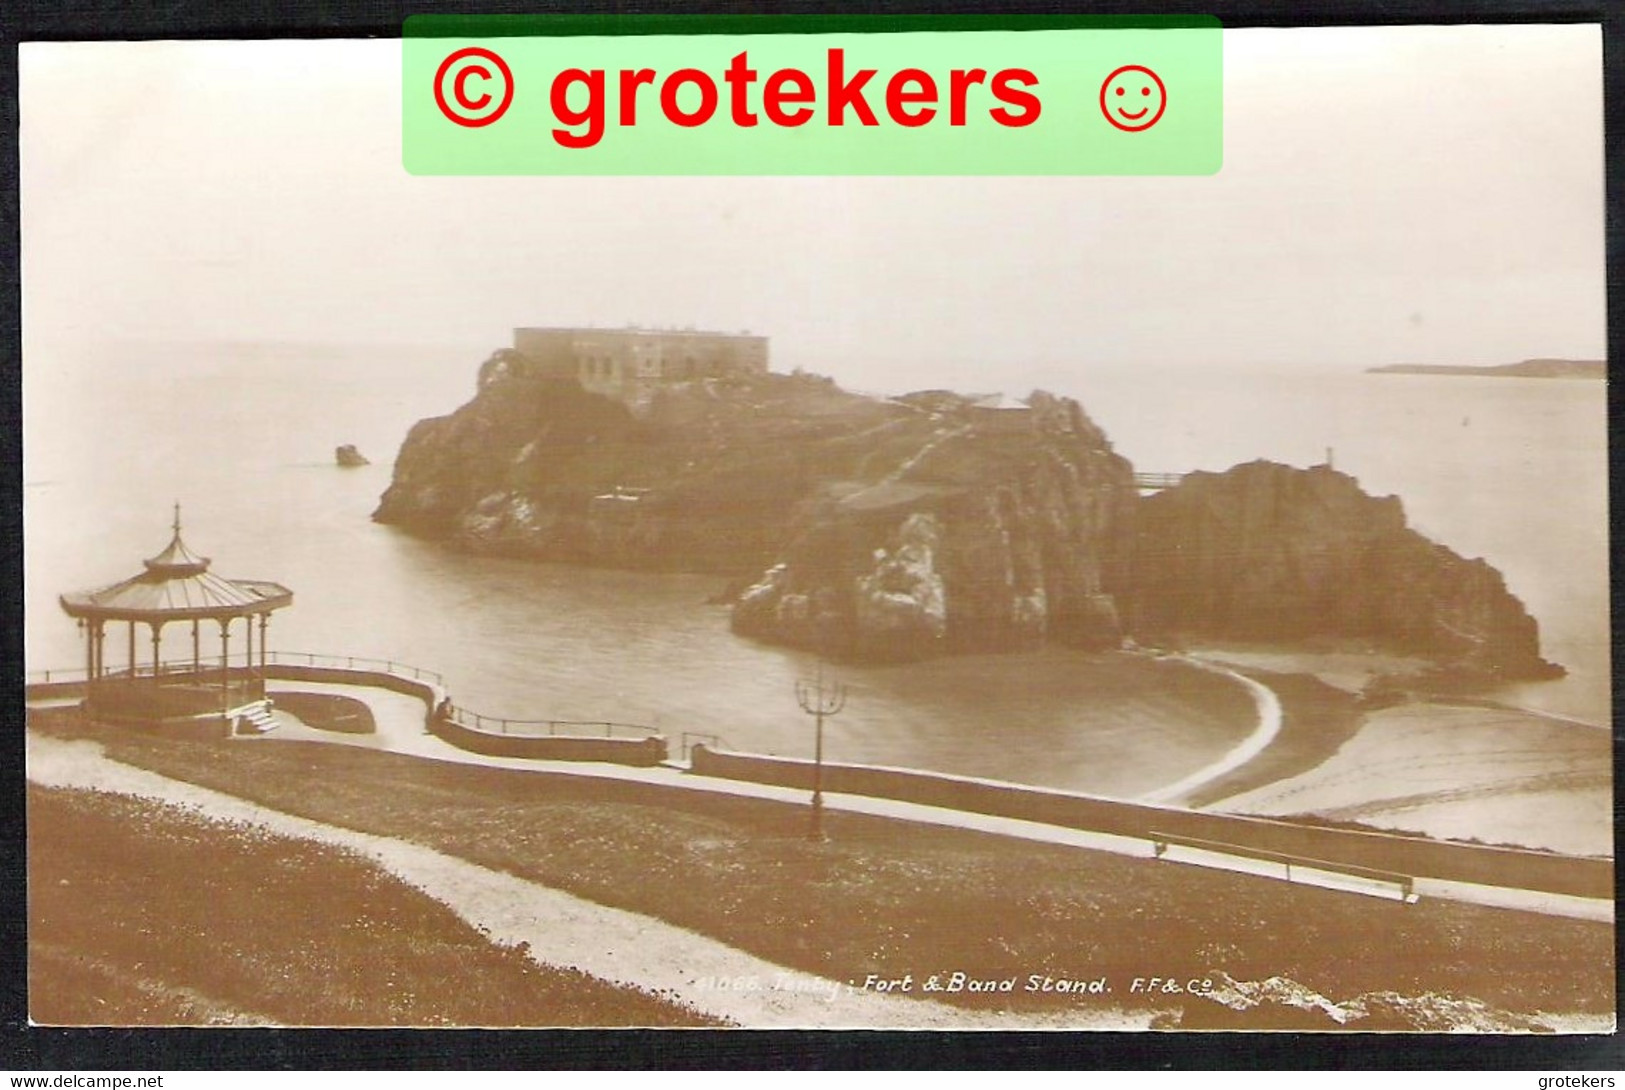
[[242, 435]]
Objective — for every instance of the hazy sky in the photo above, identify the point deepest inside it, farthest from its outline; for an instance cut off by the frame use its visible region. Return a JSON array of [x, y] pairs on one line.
[[1389, 194]]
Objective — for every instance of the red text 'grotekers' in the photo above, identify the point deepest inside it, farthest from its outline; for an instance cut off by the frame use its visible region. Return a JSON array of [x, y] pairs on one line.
[[788, 97]]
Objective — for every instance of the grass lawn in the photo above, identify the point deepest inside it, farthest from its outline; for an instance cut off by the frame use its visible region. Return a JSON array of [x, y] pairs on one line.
[[141, 914], [328, 711], [889, 897]]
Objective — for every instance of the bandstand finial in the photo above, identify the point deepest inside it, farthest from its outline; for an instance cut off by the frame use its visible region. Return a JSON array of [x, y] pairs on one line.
[[177, 516]]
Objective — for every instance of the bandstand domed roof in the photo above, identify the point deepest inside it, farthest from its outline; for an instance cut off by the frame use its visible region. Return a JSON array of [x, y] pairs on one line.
[[177, 560], [177, 585]]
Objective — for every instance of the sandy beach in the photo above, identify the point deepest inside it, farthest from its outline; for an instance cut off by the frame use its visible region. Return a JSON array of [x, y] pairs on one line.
[[1463, 771]]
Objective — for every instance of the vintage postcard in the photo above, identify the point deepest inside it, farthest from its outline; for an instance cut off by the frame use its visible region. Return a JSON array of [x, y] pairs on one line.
[[969, 590]]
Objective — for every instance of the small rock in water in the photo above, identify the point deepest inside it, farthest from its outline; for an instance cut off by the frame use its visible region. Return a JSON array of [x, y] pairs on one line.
[[348, 456]]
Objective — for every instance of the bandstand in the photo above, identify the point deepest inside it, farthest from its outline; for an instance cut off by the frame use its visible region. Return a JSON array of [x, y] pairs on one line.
[[177, 589]]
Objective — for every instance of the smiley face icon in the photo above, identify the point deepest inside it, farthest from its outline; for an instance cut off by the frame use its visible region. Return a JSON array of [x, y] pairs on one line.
[[1133, 98]]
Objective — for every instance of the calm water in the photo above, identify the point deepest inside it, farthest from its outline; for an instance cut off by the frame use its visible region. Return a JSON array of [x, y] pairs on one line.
[[1511, 470]]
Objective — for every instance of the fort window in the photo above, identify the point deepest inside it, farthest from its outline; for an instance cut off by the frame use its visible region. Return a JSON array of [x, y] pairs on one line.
[[605, 359]]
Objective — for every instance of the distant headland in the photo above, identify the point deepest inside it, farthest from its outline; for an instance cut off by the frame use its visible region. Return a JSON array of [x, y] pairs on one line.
[[1542, 368]]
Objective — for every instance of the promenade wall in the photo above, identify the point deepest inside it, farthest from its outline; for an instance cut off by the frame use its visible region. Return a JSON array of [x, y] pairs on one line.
[[637, 752], [1413, 856]]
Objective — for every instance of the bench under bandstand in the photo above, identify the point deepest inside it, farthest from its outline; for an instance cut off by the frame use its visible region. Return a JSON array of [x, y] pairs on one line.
[[177, 590]]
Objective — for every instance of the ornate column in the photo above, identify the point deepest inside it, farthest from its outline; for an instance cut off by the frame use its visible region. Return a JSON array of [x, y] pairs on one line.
[[248, 657], [98, 660], [225, 663], [157, 650], [91, 633], [90, 651]]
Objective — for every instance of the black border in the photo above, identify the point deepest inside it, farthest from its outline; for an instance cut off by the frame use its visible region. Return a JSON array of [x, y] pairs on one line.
[[29, 1048]]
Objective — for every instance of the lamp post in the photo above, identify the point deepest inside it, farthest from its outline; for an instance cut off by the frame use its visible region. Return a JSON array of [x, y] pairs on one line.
[[820, 702]]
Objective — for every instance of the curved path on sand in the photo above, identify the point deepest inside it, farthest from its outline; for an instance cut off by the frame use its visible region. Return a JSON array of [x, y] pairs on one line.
[[1269, 725], [567, 931]]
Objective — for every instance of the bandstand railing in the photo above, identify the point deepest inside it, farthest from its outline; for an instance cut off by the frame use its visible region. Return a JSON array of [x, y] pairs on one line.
[[56, 677], [181, 668], [205, 667]]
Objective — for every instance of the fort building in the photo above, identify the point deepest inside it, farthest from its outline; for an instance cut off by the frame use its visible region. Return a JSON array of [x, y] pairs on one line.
[[630, 362]]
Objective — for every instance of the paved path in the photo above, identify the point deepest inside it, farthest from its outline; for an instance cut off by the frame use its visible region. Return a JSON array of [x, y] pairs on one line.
[[401, 730], [939, 436], [566, 931]]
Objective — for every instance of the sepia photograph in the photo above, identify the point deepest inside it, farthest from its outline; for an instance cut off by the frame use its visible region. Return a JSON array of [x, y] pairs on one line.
[[1079, 603]]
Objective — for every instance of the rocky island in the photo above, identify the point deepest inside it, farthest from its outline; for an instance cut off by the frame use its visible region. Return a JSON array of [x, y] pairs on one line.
[[933, 523], [1268, 552]]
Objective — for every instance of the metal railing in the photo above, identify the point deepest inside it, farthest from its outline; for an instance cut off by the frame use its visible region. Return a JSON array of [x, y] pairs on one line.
[[354, 662], [168, 668], [1160, 843], [272, 658], [49, 677], [536, 728], [183, 668], [471, 720]]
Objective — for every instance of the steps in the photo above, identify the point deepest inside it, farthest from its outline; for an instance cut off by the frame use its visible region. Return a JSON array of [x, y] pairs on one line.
[[255, 718]]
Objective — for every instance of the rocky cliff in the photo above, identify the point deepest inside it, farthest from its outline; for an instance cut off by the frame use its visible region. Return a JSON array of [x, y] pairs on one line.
[[1265, 551], [1004, 529], [935, 523], [890, 528], [705, 478]]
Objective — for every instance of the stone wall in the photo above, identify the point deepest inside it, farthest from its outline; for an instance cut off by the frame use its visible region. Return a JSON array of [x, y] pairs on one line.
[[1413, 856]]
